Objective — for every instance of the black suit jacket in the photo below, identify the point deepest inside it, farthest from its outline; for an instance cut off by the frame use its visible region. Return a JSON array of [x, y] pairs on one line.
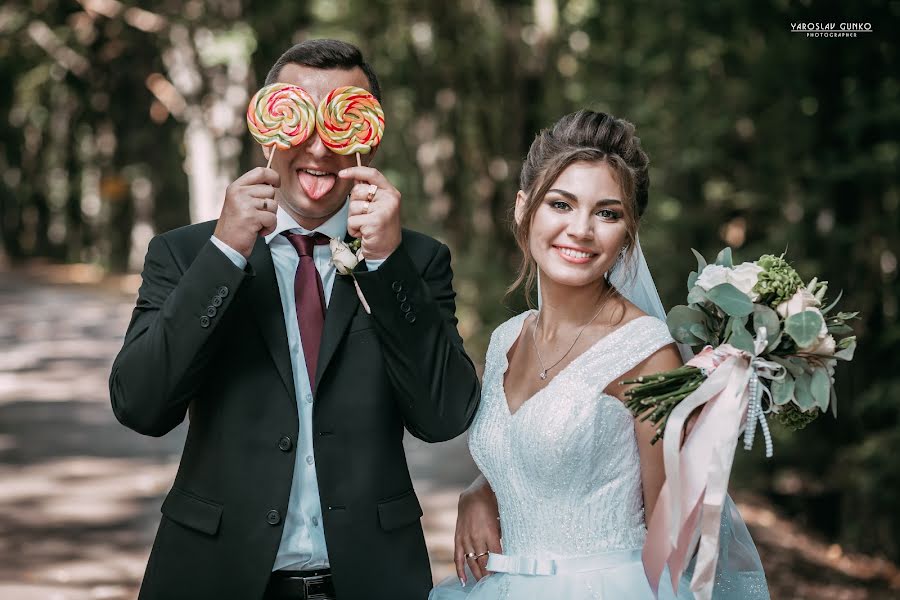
[[208, 339]]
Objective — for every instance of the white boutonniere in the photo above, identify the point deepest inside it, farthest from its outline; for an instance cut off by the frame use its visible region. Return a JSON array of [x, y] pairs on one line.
[[345, 257]]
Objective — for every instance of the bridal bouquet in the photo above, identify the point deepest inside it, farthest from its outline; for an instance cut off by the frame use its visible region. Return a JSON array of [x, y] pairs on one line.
[[769, 347], [761, 308]]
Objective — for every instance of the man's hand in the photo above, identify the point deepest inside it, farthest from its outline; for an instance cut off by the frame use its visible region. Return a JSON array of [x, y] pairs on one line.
[[249, 209], [374, 212], [477, 529]]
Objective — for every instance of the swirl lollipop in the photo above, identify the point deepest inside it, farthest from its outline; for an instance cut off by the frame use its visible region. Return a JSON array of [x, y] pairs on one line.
[[349, 120], [281, 115]]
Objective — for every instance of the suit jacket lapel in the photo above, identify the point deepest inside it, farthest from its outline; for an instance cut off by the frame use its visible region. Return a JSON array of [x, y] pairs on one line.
[[341, 308], [265, 304]]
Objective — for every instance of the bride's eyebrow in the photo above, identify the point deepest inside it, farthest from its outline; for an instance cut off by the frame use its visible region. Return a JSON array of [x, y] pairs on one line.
[[573, 198], [564, 194]]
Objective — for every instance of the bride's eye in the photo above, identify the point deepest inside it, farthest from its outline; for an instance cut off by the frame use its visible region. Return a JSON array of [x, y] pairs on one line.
[[558, 205], [609, 215]]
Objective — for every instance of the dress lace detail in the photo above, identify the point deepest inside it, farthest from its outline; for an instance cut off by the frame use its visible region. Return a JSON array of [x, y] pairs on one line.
[[565, 466]]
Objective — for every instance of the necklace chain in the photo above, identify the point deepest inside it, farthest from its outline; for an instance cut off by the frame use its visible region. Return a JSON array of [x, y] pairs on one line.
[[543, 373]]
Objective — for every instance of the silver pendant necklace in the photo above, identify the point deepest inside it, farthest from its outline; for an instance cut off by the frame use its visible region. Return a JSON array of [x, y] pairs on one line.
[[543, 373]]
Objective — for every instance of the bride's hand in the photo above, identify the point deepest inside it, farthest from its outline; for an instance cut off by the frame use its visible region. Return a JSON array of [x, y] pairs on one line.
[[477, 528]]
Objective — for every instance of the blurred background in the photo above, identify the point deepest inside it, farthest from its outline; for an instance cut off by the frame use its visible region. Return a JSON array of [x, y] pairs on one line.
[[120, 120]]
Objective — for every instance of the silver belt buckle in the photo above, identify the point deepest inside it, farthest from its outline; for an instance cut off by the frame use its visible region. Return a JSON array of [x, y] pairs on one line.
[[310, 585]]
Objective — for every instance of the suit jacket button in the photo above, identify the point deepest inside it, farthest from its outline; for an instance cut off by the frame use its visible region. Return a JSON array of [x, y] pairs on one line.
[[285, 444], [405, 307], [396, 286], [401, 297], [410, 317], [216, 301], [222, 291], [211, 311], [273, 517], [204, 321]]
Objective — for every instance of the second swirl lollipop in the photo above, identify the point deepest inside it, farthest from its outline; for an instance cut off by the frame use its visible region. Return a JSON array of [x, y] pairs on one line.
[[281, 115], [350, 120]]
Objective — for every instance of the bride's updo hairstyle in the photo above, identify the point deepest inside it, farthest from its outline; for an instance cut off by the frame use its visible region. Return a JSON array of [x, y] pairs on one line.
[[582, 136]]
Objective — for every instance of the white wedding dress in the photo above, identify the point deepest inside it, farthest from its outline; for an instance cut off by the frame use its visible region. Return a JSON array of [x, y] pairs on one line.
[[566, 473]]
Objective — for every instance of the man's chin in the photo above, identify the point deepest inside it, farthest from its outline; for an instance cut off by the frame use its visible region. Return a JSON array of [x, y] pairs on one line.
[[314, 210]]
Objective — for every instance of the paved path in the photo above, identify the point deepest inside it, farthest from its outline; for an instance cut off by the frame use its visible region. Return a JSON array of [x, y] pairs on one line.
[[80, 494]]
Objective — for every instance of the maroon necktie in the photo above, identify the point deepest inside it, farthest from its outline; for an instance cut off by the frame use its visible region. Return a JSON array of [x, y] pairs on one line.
[[309, 299]]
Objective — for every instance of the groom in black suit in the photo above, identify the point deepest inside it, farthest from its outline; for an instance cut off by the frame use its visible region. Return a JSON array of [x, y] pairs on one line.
[[293, 482]]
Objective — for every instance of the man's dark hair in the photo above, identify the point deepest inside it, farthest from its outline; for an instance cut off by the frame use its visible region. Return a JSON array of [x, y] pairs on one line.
[[326, 54]]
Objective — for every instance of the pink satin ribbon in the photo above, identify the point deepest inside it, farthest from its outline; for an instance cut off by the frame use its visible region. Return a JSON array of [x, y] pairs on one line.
[[697, 473]]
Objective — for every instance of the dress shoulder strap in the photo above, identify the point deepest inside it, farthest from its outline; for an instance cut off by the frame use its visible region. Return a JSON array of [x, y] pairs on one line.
[[626, 347]]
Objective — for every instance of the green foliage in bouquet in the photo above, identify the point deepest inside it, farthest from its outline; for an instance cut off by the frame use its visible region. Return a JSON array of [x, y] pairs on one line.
[[736, 304]]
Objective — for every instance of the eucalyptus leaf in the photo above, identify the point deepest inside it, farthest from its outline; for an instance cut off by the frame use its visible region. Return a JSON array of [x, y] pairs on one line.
[[847, 353], [782, 390], [840, 329], [680, 319], [763, 316], [846, 342], [826, 310], [804, 327], [699, 331], [701, 262], [697, 295], [802, 394], [792, 368], [724, 258], [731, 300], [820, 387], [802, 364], [739, 337], [692, 280], [774, 343]]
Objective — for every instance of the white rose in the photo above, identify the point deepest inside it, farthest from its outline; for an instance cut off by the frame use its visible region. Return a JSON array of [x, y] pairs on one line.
[[711, 276], [823, 346], [800, 301], [744, 277], [342, 256]]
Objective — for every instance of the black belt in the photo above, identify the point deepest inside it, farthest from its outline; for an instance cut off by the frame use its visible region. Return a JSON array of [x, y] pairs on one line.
[[300, 585]]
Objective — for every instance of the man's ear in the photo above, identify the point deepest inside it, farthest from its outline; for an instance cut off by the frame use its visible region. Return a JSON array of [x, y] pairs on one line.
[[266, 151], [521, 199]]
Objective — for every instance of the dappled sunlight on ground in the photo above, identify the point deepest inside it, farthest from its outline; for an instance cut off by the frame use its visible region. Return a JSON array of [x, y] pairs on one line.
[[80, 494]]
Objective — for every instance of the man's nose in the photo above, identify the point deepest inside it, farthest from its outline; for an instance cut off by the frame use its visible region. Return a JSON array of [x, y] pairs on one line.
[[316, 148]]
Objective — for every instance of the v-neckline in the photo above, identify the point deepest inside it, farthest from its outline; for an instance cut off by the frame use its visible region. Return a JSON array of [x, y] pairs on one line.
[[562, 371]]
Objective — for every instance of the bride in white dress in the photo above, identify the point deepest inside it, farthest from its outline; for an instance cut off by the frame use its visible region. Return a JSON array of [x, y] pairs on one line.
[[573, 474]]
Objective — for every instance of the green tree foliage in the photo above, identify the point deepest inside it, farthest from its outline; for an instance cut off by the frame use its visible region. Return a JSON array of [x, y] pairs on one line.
[[760, 138]]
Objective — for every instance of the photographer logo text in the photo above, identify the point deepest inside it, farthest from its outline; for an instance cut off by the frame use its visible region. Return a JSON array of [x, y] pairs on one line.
[[831, 29]]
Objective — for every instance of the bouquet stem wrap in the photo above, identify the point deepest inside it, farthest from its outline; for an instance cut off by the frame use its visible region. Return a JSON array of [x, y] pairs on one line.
[[689, 508]]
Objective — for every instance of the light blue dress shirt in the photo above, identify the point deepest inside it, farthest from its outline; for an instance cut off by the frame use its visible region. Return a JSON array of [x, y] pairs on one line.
[[303, 539]]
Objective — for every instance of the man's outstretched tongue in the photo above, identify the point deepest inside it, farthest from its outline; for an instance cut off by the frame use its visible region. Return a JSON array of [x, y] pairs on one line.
[[316, 186]]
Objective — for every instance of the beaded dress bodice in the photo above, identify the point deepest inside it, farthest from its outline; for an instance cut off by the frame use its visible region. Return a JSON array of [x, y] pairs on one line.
[[565, 466]]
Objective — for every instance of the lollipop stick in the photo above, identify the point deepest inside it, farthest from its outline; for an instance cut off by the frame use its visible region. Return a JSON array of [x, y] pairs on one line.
[[358, 160], [271, 156]]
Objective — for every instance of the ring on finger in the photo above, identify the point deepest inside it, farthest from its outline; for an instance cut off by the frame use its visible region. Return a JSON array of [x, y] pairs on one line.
[[470, 555], [373, 189], [480, 554]]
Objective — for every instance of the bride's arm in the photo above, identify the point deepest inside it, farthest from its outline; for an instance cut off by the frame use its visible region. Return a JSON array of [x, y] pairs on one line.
[[652, 471], [477, 528]]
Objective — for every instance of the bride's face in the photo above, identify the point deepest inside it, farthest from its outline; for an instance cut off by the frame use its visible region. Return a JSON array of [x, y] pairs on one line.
[[579, 227]]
